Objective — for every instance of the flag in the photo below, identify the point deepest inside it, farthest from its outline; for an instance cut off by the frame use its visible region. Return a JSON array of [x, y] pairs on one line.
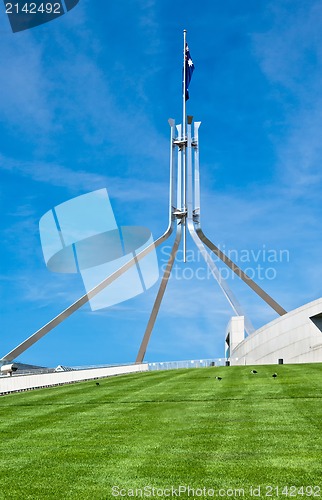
[[188, 69]]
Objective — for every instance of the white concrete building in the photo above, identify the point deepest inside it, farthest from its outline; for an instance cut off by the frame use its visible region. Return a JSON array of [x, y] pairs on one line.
[[295, 337]]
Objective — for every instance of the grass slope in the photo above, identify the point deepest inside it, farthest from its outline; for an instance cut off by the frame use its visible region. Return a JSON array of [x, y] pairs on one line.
[[166, 429]]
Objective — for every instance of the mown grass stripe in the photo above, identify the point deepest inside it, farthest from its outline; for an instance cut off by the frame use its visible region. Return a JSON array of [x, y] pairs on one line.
[[164, 428]]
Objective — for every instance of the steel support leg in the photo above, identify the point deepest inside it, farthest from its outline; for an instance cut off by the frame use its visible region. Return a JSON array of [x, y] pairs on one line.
[[83, 300], [159, 297], [220, 280], [193, 208], [241, 274], [256, 288], [14, 353]]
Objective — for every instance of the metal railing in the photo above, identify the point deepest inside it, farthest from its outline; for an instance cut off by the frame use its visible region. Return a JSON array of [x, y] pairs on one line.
[[192, 363]]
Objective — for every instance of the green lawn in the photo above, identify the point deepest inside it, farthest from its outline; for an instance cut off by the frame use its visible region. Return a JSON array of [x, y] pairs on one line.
[[164, 429]]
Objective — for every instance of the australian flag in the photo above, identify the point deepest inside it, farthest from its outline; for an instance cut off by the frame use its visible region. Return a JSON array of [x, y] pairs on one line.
[[189, 69]]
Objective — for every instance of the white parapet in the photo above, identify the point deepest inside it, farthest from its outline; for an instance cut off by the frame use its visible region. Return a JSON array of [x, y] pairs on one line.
[[295, 337], [27, 382], [235, 334]]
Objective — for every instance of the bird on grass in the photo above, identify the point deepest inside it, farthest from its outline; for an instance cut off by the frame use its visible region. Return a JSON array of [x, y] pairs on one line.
[[274, 375], [97, 383], [219, 378], [253, 371]]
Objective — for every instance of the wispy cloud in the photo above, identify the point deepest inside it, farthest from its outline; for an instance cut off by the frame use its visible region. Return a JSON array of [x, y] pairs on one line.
[[84, 115], [75, 181], [73, 95], [25, 89], [290, 56]]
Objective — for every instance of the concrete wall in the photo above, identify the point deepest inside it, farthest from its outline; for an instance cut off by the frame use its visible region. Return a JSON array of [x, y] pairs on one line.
[[26, 382], [235, 333], [292, 337]]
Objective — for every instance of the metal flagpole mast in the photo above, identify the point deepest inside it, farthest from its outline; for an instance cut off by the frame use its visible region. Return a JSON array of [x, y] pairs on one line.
[[184, 214], [184, 103], [184, 156]]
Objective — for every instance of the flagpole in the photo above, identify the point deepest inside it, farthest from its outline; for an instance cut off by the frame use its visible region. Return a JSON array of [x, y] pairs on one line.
[[184, 126], [184, 84]]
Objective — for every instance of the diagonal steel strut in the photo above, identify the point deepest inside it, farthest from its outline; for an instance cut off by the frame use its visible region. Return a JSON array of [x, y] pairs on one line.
[[241, 274], [159, 297], [184, 212], [193, 198], [195, 216], [17, 351]]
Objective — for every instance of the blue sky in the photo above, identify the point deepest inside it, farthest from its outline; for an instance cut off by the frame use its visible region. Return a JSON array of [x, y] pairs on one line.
[[84, 105]]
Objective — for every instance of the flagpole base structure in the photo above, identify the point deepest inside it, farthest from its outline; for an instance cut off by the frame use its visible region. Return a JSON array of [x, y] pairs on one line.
[[184, 213], [189, 213]]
